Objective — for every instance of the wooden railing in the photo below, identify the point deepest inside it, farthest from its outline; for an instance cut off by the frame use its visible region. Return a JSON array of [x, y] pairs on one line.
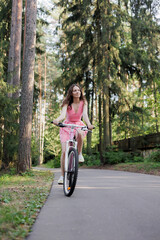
[[145, 142]]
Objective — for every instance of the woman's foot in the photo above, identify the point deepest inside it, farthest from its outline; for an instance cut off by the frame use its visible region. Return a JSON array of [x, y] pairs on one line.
[[81, 158], [60, 181]]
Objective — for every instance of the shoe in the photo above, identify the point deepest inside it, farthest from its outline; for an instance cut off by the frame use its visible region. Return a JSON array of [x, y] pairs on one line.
[[81, 158], [60, 181]]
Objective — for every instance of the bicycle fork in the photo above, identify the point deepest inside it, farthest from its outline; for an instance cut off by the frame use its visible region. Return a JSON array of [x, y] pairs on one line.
[[69, 143]]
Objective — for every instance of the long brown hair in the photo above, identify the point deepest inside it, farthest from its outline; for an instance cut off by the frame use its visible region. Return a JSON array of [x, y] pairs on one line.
[[69, 98]]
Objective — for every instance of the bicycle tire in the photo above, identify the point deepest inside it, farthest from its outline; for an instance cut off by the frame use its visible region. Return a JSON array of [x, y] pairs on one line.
[[70, 176]]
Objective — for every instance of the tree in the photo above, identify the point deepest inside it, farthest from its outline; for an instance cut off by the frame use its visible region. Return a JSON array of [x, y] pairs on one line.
[[14, 66], [24, 162], [12, 44], [106, 78], [17, 49], [5, 23], [14, 62]]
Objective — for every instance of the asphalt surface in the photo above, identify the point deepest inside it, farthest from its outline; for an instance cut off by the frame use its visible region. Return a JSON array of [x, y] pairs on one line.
[[106, 205]]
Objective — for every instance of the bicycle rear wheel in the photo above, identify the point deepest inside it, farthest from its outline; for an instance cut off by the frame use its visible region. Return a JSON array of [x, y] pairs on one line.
[[70, 176]]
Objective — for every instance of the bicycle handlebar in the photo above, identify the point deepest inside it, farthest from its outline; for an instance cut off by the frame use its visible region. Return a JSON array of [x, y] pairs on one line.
[[84, 128], [60, 125]]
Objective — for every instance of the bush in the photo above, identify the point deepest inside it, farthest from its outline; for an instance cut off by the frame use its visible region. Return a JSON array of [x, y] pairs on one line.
[[112, 157], [54, 163], [48, 155], [92, 160], [9, 127], [57, 162], [115, 157], [138, 159], [155, 156], [34, 152]]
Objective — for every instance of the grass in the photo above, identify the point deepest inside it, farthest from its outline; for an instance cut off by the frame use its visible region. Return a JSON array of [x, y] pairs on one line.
[[137, 167], [140, 167], [126, 161], [145, 167], [21, 198]]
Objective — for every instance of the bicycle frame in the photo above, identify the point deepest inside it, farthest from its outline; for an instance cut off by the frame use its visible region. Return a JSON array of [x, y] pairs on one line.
[[71, 140], [71, 167], [73, 144]]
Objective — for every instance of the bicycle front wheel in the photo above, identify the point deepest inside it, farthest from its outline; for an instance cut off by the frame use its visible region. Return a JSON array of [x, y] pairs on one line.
[[70, 176]]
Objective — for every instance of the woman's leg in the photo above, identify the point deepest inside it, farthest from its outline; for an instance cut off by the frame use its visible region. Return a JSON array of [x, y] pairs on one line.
[[63, 144], [80, 137]]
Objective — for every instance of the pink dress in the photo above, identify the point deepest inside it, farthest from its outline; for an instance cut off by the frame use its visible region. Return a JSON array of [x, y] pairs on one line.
[[72, 118]]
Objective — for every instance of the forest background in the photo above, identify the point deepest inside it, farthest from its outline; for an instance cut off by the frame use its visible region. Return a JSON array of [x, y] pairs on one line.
[[110, 47]]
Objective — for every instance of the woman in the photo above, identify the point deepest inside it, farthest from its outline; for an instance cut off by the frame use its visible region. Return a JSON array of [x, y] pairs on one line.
[[74, 107]]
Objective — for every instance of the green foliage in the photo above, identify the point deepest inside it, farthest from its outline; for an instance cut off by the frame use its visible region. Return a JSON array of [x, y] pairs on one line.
[[131, 54], [5, 21], [8, 125], [154, 156], [34, 151], [21, 199], [138, 159], [54, 163], [52, 146], [95, 136], [112, 157], [115, 157], [92, 160], [132, 48]]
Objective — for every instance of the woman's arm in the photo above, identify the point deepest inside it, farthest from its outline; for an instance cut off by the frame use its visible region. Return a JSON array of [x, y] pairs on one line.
[[85, 116], [61, 116]]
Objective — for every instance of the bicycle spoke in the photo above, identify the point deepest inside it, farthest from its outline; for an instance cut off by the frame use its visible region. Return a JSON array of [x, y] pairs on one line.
[[71, 175]]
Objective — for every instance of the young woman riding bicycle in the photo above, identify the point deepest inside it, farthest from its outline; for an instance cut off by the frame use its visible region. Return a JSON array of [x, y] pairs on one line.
[[74, 107]]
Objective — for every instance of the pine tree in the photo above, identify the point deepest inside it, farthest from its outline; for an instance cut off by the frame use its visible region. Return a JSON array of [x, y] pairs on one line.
[[27, 88], [17, 48]]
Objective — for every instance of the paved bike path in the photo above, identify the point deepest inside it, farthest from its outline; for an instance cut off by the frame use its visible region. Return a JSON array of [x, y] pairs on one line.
[[106, 205]]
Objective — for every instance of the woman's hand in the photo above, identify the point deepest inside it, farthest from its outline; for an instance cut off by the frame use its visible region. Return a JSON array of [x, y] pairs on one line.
[[90, 126], [55, 122]]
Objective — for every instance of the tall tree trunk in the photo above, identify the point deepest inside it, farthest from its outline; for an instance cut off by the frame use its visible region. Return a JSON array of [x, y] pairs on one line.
[[89, 135], [153, 69], [106, 117], [1, 141], [44, 108], [17, 55], [100, 128], [96, 103], [99, 70], [93, 91], [24, 162], [106, 101], [14, 63], [37, 126], [12, 45], [24, 37], [40, 109], [88, 100], [155, 106]]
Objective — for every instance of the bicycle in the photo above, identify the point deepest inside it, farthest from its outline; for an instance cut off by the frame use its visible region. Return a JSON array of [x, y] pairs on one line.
[[71, 160]]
